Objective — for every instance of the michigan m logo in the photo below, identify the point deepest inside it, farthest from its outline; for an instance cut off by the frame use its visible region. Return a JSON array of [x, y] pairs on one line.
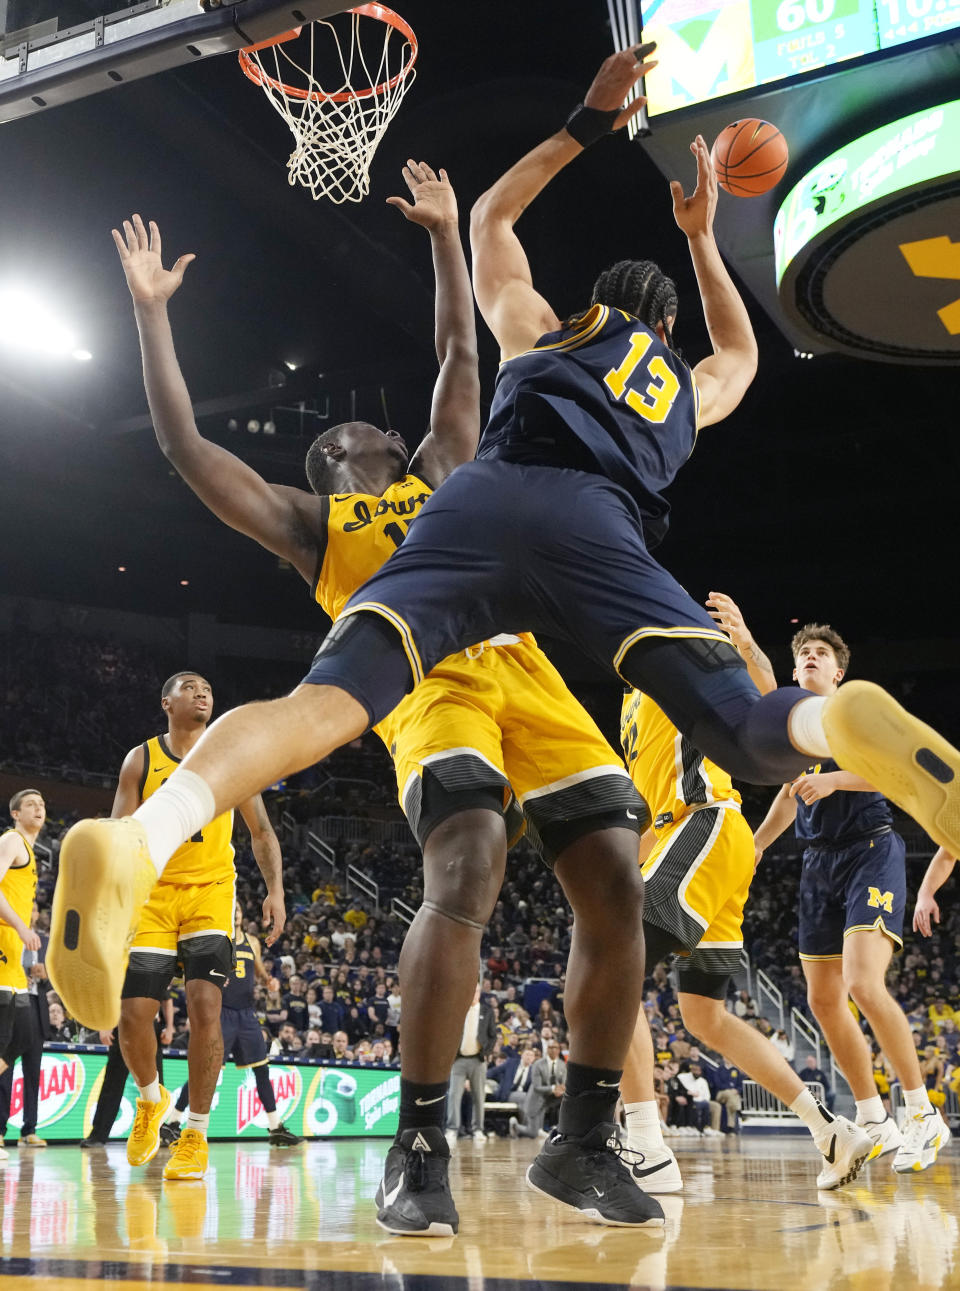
[[880, 900]]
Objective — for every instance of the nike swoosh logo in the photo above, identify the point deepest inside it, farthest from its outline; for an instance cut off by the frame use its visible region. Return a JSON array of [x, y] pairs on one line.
[[631, 815], [832, 1155], [390, 1197], [933, 1139], [157, 770], [651, 1169], [425, 1102], [609, 1084], [596, 1190], [214, 973]]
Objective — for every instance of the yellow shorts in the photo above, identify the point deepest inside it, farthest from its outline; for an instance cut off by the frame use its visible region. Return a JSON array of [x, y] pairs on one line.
[[696, 882], [12, 976], [189, 923], [501, 716]]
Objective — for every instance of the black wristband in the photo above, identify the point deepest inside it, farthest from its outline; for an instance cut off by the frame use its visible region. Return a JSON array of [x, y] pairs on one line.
[[587, 125]]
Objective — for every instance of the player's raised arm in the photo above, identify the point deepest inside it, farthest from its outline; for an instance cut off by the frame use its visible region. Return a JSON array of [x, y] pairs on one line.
[[724, 376], [231, 489], [455, 412], [512, 308], [927, 910], [726, 612]]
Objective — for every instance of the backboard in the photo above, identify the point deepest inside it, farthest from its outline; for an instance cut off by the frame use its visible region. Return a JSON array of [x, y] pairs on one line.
[[45, 65]]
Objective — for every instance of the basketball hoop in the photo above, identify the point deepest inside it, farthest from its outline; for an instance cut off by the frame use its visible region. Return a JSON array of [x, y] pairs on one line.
[[337, 128]]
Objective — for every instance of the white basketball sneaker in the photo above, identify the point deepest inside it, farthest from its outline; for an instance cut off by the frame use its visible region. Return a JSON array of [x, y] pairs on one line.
[[925, 1135], [886, 1137], [845, 1147], [654, 1169]]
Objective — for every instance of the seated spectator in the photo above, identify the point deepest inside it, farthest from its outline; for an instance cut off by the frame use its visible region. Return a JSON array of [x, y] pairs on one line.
[[744, 1006], [782, 1042], [274, 1011], [288, 1039], [315, 1049], [61, 1030], [331, 1011], [695, 1084], [547, 1015], [726, 1083], [340, 1047], [811, 1074], [295, 1003], [680, 1045]]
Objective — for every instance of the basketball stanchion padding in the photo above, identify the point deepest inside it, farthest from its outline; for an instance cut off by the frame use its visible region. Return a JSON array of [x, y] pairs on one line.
[[338, 84]]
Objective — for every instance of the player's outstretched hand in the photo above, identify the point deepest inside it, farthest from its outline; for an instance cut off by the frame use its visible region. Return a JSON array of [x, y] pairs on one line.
[[726, 612], [140, 253], [925, 912], [694, 214], [434, 201], [617, 76], [275, 910], [811, 788]]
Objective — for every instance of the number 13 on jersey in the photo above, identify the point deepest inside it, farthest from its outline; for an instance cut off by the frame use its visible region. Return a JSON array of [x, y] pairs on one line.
[[655, 402]]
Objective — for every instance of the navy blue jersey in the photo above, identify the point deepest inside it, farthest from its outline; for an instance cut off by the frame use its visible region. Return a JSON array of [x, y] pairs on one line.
[[238, 992], [843, 815], [603, 395]]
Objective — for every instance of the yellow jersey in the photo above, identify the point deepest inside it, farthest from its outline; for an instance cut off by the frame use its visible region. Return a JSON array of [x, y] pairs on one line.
[[19, 884], [667, 769], [207, 857], [363, 531]]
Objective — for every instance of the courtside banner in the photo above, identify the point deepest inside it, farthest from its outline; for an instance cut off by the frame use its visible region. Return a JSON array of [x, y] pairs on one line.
[[318, 1102]]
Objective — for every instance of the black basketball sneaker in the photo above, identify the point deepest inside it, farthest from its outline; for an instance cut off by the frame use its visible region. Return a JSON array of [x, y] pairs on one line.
[[414, 1193], [169, 1133], [281, 1137], [588, 1174]]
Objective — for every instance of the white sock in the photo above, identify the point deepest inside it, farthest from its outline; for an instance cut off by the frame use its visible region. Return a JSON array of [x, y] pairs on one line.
[[813, 1114], [804, 725], [273, 1119], [197, 1121], [150, 1093], [917, 1100], [643, 1123], [870, 1109], [178, 810], [174, 1116]]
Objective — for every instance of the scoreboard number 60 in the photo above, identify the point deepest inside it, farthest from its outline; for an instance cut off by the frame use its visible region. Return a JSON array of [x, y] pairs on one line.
[[792, 14]]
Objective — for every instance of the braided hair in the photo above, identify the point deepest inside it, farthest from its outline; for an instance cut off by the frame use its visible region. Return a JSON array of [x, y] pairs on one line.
[[642, 289]]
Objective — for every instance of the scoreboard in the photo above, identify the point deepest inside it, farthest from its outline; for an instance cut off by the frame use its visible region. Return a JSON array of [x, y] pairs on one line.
[[709, 48]]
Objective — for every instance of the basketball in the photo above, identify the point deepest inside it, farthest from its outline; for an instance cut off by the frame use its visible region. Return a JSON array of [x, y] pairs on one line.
[[749, 157]]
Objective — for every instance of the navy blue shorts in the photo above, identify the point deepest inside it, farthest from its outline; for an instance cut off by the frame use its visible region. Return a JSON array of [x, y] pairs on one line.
[[507, 548], [242, 1037], [850, 889]]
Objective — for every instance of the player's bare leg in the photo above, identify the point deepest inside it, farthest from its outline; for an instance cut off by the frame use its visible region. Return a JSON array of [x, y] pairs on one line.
[[463, 866], [866, 956], [108, 867], [827, 997], [577, 1166]]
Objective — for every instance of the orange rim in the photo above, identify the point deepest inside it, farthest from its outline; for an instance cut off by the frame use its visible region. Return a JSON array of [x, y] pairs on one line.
[[253, 71]]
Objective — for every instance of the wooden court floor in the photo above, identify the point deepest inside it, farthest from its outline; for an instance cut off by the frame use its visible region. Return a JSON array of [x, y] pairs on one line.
[[750, 1219]]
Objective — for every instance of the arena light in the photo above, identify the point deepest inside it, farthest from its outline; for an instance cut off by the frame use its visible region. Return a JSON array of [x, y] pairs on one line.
[[28, 324]]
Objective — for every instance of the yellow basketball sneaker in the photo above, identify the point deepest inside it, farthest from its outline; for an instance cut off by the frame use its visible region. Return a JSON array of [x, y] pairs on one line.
[[104, 881], [871, 735], [188, 1156], [144, 1141]]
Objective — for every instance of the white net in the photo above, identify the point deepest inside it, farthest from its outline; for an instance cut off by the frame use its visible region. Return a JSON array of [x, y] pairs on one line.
[[367, 66]]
